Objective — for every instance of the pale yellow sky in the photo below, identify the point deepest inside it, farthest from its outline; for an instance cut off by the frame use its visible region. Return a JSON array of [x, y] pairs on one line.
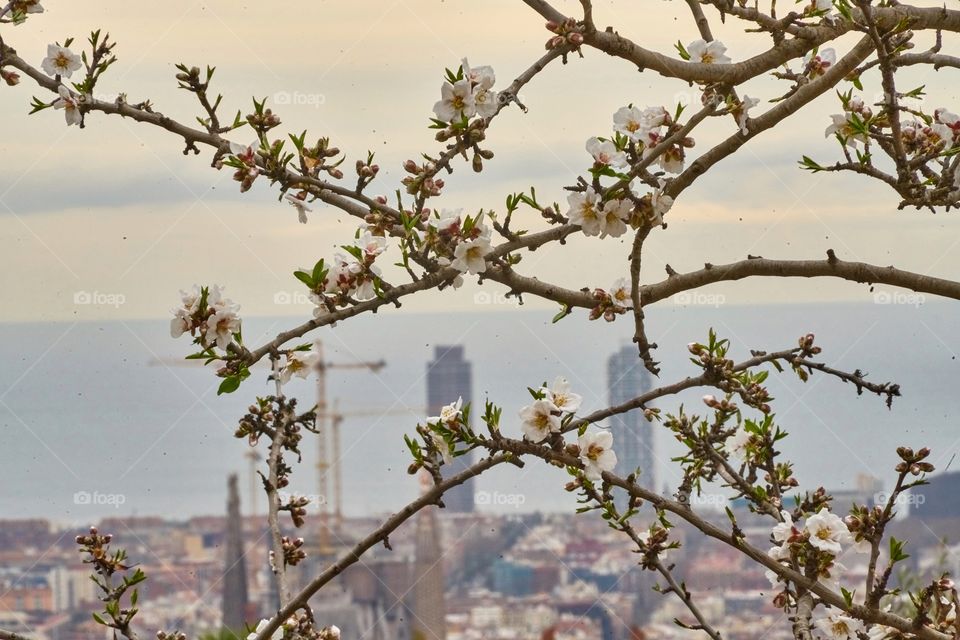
[[116, 209]]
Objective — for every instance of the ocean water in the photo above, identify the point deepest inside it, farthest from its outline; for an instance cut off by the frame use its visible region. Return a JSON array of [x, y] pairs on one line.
[[86, 409]]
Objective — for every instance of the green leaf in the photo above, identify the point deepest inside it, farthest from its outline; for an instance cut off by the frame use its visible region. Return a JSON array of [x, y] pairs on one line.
[[229, 385], [848, 596], [304, 277], [319, 273]]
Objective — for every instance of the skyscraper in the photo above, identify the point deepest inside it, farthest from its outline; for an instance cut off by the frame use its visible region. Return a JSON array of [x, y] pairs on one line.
[[449, 377], [234, 604], [632, 434]]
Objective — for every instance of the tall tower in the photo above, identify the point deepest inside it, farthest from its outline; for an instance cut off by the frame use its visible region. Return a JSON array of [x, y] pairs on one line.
[[449, 377], [234, 604], [632, 434], [428, 606]]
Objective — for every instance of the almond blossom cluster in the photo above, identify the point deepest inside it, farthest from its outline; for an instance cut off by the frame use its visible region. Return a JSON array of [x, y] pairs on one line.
[[208, 316], [611, 303], [645, 128], [351, 275], [638, 135], [920, 137], [551, 407], [466, 238], [543, 417], [466, 94], [942, 133], [817, 543], [442, 427], [60, 62]]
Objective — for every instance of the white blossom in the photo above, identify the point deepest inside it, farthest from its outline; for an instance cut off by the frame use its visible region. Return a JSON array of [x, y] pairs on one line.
[[70, 105], [300, 364], [482, 76], [783, 531], [277, 635], [636, 123], [880, 632], [60, 61], [737, 444], [843, 127], [442, 446], [584, 211], [446, 221], [620, 292], [449, 414], [606, 153], [743, 114], [644, 537], [300, 206], [469, 255], [660, 204], [949, 119], [596, 453], [485, 101], [538, 420], [29, 6], [672, 159], [221, 326], [839, 627], [560, 395], [456, 101], [818, 64], [482, 80], [372, 245], [827, 531], [821, 5], [613, 218], [180, 323], [778, 553], [708, 52]]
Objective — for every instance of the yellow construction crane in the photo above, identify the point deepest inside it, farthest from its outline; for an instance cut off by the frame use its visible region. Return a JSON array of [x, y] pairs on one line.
[[323, 450], [336, 419]]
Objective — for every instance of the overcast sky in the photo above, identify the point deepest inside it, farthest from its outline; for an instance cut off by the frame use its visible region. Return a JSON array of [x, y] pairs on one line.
[[116, 208]]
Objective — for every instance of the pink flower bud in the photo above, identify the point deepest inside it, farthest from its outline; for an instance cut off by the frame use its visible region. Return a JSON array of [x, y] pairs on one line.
[[10, 77]]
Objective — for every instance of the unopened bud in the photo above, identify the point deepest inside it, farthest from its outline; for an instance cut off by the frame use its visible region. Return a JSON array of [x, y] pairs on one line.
[[10, 77]]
